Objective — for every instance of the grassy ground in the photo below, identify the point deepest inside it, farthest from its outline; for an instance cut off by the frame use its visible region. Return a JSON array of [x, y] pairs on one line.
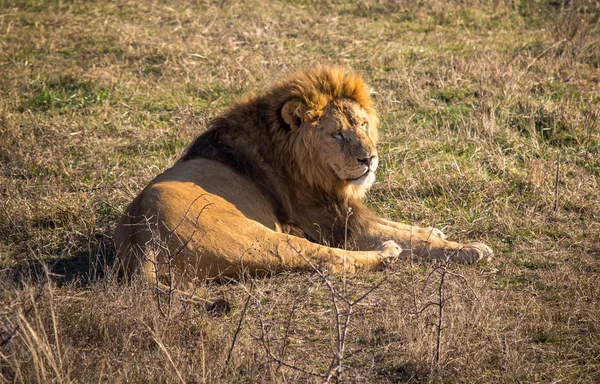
[[478, 100]]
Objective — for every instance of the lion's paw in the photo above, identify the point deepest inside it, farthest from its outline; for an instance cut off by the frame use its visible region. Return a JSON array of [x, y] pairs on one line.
[[389, 250], [475, 252]]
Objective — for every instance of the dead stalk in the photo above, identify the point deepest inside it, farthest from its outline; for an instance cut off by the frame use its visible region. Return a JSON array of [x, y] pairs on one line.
[[158, 247], [264, 339], [442, 270], [164, 349], [287, 334], [343, 309], [239, 326], [440, 301], [412, 273], [348, 214], [556, 184]]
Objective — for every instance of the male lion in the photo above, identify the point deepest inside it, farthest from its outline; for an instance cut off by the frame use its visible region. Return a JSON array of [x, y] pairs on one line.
[[276, 183]]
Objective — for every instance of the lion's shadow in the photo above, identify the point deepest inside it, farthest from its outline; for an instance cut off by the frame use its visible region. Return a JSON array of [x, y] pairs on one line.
[[79, 269]]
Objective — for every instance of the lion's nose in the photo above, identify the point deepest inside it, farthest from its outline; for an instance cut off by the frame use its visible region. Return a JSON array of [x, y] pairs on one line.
[[366, 161]]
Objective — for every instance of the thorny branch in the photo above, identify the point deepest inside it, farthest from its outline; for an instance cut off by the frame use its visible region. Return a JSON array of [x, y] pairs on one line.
[[439, 303], [264, 339], [342, 315], [158, 246]]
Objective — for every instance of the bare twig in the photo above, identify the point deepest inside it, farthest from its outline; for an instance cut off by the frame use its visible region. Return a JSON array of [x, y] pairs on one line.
[[164, 349], [264, 340], [370, 290], [412, 272], [439, 302], [343, 309], [556, 184], [287, 333], [239, 327], [158, 247], [440, 320], [348, 214]]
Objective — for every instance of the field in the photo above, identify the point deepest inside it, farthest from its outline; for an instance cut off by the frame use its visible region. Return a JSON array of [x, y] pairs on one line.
[[490, 131]]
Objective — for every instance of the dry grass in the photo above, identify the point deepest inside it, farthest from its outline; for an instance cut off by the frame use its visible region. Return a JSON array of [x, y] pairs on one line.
[[477, 100]]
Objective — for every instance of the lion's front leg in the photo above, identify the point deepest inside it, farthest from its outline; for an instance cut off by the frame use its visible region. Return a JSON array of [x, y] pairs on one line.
[[439, 249], [428, 231], [290, 252], [423, 245]]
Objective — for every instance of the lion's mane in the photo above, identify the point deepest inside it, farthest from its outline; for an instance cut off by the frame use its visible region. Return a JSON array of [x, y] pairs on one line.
[[252, 138]]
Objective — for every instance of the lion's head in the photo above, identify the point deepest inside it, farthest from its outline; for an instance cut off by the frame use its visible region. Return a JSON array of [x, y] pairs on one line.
[[333, 130]]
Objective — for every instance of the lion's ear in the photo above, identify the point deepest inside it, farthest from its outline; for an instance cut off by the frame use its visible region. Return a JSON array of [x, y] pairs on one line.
[[374, 95], [293, 113]]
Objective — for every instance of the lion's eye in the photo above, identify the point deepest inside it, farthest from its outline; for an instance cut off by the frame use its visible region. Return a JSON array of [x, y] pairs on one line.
[[338, 136]]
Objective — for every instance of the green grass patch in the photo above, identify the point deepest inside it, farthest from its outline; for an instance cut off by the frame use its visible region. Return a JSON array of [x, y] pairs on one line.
[[64, 93]]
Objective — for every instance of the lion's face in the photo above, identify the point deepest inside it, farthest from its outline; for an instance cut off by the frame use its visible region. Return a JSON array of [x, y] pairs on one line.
[[348, 147], [340, 147]]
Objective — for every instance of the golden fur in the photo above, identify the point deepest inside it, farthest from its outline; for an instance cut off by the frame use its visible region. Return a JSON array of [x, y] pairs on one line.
[[276, 183]]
